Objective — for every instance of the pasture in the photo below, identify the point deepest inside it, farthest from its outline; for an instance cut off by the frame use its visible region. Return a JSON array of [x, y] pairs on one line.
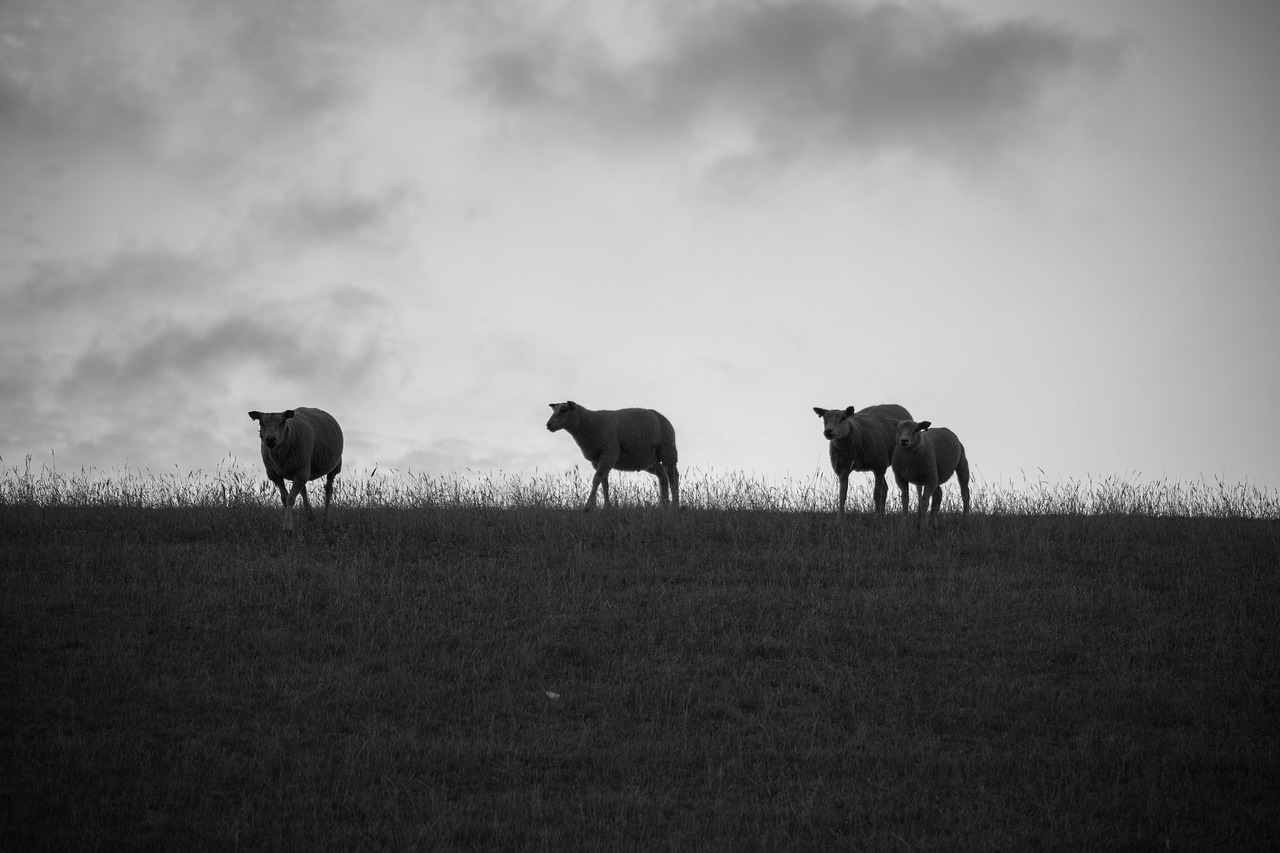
[[470, 662]]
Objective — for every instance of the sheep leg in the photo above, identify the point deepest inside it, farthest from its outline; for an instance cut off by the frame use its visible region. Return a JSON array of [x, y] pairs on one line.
[[328, 493], [844, 494], [603, 466], [926, 494], [306, 502], [962, 477], [284, 493], [664, 487], [604, 488], [667, 459], [600, 482], [905, 488], [880, 491], [933, 509], [299, 488]]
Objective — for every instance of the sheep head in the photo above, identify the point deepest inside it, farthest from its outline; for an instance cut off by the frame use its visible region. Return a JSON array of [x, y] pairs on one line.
[[563, 415], [835, 422], [908, 433], [273, 427]]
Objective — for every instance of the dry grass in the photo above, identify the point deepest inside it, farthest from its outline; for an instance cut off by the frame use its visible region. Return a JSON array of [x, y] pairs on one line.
[[233, 484]]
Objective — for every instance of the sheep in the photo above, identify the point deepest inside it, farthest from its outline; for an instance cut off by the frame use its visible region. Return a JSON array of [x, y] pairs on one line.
[[625, 439], [300, 444], [927, 458], [861, 441]]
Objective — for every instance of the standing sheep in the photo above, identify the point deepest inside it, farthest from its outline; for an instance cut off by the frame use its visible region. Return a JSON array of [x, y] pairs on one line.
[[626, 439], [927, 458], [861, 441], [300, 445]]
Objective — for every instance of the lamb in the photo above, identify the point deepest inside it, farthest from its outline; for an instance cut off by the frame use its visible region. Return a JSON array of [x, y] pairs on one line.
[[301, 445], [625, 439], [927, 458], [861, 441]]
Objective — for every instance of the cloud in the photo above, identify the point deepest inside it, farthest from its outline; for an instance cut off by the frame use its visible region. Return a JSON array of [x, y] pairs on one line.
[[330, 215], [151, 277], [147, 361], [100, 350], [144, 317], [202, 85], [813, 74]]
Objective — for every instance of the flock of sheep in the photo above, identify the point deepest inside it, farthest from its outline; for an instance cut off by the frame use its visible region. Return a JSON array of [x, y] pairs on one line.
[[305, 444]]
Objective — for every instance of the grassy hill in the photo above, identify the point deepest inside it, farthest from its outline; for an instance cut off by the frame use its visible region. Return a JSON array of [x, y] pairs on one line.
[[439, 669]]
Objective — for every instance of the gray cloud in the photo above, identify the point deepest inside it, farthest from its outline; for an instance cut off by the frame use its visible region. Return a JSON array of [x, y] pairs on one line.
[[130, 277], [812, 74], [192, 83], [331, 215], [99, 352], [179, 354], [163, 394], [274, 290], [316, 340]]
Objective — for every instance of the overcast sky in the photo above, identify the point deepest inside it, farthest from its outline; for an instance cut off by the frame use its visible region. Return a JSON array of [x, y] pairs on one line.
[[1053, 227]]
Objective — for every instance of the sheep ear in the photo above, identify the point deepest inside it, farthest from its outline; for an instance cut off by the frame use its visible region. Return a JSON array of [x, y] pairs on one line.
[[571, 405], [848, 412], [924, 425], [288, 414], [553, 405], [257, 416], [822, 413]]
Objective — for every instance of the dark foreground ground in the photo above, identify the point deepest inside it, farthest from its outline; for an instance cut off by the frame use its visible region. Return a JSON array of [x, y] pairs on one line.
[[539, 679]]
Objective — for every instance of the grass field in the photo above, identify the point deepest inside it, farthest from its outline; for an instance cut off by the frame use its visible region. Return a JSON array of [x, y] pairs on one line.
[[471, 663]]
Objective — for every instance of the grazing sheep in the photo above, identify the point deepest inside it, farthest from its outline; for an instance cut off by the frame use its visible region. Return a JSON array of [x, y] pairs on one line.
[[861, 441], [927, 458], [300, 445], [626, 439]]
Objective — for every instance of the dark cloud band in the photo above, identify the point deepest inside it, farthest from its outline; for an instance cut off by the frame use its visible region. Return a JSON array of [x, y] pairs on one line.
[[810, 74]]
